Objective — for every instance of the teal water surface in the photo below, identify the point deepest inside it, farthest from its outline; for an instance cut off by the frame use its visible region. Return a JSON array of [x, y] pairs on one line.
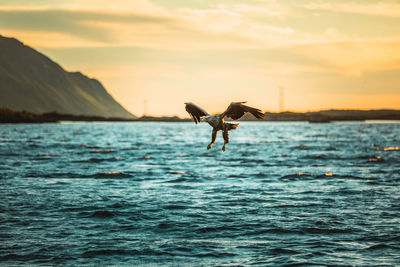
[[152, 194]]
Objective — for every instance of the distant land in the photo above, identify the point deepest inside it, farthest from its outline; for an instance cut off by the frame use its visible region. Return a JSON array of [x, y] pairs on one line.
[[10, 116], [331, 115], [324, 116], [31, 81]]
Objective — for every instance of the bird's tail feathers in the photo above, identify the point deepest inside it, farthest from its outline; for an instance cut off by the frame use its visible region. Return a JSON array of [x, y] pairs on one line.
[[232, 126]]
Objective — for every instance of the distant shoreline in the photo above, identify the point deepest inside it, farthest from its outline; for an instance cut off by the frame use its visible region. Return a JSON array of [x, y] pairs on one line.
[[325, 116], [10, 116]]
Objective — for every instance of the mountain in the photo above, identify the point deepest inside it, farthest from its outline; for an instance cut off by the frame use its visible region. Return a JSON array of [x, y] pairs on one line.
[[31, 81]]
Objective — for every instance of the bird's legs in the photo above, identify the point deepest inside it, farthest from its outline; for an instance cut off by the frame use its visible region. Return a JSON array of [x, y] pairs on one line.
[[213, 138], [225, 134]]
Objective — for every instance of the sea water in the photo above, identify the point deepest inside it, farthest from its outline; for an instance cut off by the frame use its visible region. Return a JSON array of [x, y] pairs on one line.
[[152, 194]]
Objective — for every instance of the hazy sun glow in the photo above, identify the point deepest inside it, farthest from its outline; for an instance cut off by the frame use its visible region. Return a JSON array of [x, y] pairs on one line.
[[326, 54]]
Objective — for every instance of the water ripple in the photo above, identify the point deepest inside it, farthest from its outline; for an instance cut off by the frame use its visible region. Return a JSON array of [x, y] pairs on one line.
[[151, 194]]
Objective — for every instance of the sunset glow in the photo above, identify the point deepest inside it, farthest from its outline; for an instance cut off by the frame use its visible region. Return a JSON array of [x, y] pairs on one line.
[[325, 54]]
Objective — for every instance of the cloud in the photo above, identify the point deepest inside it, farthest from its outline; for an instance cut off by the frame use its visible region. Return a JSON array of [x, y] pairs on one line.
[[225, 27], [180, 30], [81, 23], [142, 23], [251, 9], [389, 9], [355, 58], [122, 6], [45, 39]]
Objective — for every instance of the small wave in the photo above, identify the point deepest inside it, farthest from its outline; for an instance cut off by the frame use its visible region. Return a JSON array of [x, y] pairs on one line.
[[301, 147], [103, 252], [19, 257], [164, 225], [295, 176], [307, 192], [90, 146], [115, 174], [281, 251], [378, 238], [379, 247], [310, 176], [332, 149], [36, 138], [175, 207], [215, 255], [10, 154], [278, 231], [396, 238], [39, 158], [353, 177], [325, 175], [391, 148], [96, 160], [77, 133], [216, 229], [78, 208], [177, 180], [229, 159], [252, 161], [314, 230], [235, 176], [377, 159], [320, 156], [176, 172], [47, 155], [38, 256], [103, 151], [53, 175], [102, 214], [11, 256], [183, 249]]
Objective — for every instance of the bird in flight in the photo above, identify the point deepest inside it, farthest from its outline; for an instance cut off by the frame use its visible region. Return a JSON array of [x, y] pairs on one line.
[[235, 111]]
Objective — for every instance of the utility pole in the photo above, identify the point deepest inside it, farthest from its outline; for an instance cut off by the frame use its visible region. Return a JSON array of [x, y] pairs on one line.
[[281, 99], [145, 108]]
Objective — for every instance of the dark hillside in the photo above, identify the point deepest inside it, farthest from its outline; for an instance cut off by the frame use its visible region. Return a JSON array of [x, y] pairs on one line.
[[31, 81]]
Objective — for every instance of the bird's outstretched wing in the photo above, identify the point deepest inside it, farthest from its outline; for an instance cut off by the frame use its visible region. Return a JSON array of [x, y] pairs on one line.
[[236, 110], [195, 111]]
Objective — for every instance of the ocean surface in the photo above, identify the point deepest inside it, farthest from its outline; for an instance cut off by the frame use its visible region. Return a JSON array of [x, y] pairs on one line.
[[151, 194]]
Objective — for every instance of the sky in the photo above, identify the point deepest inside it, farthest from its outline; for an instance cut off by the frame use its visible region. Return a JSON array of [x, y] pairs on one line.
[[325, 54]]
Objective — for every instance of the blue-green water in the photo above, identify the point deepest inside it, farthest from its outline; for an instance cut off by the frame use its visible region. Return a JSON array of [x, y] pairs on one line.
[[151, 194]]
